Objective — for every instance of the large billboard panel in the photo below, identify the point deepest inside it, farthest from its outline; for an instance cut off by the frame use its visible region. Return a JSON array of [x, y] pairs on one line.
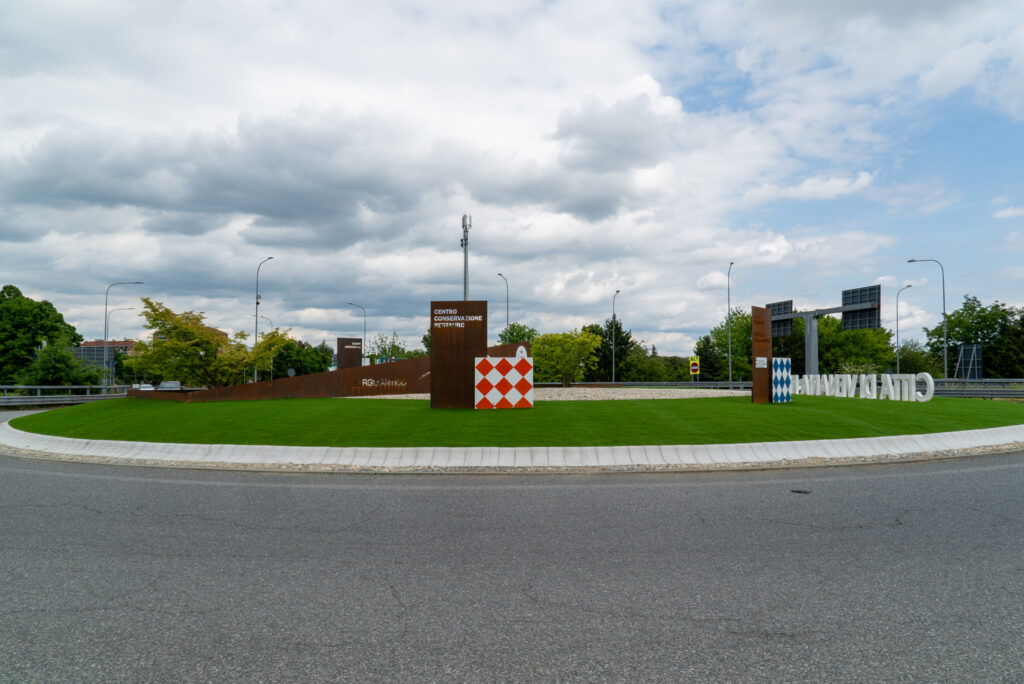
[[868, 317]]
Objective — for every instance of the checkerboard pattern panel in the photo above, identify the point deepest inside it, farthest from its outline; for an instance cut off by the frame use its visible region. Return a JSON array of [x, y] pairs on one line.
[[782, 369], [503, 382]]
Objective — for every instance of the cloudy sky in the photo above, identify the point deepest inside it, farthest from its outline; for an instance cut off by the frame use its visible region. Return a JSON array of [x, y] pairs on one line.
[[599, 146]]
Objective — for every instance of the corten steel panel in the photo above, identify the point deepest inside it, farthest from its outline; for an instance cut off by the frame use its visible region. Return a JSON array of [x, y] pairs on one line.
[[761, 320], [410, 376], [350, 352], [458, 334]]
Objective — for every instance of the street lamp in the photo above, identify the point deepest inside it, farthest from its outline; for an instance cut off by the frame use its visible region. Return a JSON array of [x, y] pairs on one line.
[[107, 326], [506, 303], [271, 352], [106, 298], [905, 287], [256, 330], [728, 313], [364, 328], [613, 333], [945, 339]]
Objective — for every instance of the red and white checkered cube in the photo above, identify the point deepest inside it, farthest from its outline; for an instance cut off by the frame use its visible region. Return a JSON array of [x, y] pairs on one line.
[[503, 382]]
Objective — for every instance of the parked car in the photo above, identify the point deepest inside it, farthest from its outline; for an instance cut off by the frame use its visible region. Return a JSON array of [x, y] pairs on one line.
[[145, 387], [170, 386]]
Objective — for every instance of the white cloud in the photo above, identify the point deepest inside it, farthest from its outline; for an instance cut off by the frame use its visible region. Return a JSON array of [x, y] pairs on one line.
[[817, 188], [598, 145], [1009, 212]]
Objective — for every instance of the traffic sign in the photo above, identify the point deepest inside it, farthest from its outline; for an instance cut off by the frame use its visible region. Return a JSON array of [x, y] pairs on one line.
[[694, 365]]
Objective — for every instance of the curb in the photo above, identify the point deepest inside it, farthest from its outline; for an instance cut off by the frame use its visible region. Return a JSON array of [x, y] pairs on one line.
[[501, 460]]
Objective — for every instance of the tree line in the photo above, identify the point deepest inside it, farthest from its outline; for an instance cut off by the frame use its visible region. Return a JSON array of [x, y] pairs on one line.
[[36, 342]]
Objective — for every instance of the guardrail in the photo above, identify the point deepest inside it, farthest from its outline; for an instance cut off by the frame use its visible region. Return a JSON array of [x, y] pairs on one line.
[[1000, 388], [57, 395]]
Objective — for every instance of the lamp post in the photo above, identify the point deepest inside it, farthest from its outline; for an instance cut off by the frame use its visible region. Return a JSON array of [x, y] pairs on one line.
[[613, 333], [106, 299], [506, 303], [905, 287], [728, 313], [256, 329], [945, 338], [107, 326], [271, 353], [364, 327]]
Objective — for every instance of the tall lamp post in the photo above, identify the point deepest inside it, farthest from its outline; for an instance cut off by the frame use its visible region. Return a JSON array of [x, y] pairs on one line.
[[728, 313], [107, 326], [613, 333], [106, 299], [271, 353], [506, 302], [256, 330], [905, 287], [945, 338], [364, 327]]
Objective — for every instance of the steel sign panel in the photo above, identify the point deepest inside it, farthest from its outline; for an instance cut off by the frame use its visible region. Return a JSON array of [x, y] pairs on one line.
[[868, 317], [458, 334]]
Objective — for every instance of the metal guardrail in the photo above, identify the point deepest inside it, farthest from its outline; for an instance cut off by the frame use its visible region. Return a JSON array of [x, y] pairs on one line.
[[44, 395], [1001, 388]]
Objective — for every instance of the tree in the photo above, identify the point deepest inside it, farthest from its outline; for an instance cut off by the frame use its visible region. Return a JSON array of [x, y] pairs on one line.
[[712, 366], [853, 351], [624, 343], [517, 332], [301, 357], [392, 348], [742, 345], [564, 357], [998, 328], [24, 325], [184, 348], [915, 358], [55, 364]]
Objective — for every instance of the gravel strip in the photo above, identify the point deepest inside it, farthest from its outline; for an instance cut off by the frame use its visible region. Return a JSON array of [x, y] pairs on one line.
[[602, 393]]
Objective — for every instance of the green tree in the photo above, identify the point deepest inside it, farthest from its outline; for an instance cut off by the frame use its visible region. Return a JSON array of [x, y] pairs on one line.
[[24, 325], [915, 358], [624, 344], [564, 357], [641, 366], [301, 357], [997, 327], [517, 332], [712, 366], [392, 348], [55, 364], [184, 348], [742, 346], [853, 351]]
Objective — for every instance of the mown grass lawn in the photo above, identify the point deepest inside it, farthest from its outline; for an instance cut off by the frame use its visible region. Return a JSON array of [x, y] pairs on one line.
[[403, 423]]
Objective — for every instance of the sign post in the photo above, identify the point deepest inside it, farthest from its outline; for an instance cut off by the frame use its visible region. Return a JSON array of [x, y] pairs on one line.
[[694, 366], [761, 320], [458, 335]]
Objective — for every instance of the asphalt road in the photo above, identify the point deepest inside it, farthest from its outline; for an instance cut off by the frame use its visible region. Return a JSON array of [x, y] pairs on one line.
[[879, 573]]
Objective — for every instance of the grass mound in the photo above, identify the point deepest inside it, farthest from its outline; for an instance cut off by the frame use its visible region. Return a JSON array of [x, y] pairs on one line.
[[410, 423]]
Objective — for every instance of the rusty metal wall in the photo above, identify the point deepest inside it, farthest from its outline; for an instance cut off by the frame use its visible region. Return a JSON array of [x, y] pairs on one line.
[[761, 321], [409, 376]]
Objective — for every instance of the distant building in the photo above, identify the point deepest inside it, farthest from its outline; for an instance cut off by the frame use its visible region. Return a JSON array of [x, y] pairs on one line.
[[91, 352]]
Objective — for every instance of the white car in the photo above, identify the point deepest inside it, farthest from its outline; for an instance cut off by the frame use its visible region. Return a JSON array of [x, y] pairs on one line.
[[170, 386], [145, 387]]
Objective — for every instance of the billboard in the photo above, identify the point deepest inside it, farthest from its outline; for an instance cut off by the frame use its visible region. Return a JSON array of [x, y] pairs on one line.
[[781, 328], [868, 317]]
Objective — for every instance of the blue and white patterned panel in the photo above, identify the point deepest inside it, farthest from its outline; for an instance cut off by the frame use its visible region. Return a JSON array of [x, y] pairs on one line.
[[782, 369]]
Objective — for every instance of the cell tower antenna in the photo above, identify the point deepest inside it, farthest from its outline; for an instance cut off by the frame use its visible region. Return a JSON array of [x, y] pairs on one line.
[[467, 223]]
